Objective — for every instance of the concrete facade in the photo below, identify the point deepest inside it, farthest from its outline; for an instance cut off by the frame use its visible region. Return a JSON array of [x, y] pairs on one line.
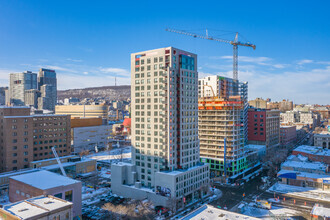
[[322, 140], [86, 138]]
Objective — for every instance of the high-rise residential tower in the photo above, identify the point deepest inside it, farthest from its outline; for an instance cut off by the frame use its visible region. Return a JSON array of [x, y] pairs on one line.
[[165, 146], [47, 85], [18, 84]]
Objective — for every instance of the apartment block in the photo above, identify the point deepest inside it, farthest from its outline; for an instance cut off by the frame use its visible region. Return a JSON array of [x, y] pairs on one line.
[[26, 137], [164, 129], [88, 138], [264, 128], [258, 103], [18, 84], [288, 135]]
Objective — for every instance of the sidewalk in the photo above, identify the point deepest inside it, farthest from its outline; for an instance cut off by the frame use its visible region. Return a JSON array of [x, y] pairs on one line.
[[302, 192]]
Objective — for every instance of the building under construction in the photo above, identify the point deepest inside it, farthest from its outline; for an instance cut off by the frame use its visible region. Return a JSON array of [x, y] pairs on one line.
[[224, 116]]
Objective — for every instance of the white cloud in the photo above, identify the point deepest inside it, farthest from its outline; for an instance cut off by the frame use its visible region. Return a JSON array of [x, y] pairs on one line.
[[116, 71], [301, 86], [74, 60], [305, 61]]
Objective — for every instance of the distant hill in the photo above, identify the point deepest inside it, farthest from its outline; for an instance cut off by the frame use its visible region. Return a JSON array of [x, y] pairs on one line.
[[107, 92]]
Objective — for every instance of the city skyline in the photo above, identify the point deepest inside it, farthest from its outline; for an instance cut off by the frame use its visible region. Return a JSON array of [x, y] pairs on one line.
[[89, 45]]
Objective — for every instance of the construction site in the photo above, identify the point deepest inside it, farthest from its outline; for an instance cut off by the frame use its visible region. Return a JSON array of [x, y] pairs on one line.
[[222, 127]]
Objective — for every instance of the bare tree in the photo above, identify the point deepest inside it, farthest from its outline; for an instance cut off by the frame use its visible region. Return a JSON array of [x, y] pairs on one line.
[[135, 210], [172, 204]]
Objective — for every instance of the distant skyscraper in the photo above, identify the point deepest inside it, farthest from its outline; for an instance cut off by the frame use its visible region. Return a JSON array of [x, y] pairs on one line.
[[19, 83], [47, 85], [31, 97]]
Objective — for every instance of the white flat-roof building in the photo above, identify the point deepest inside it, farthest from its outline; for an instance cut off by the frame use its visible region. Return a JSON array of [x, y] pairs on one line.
[[38, 208]]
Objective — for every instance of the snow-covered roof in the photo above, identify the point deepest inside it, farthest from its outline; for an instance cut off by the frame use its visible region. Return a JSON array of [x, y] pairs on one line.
[[307, 165], [209, 212], [49, 203], [305, 174], [35, 206], [44, 179], [298, 157], [256, 147], [313, 150], [320, 211], [24, 210]]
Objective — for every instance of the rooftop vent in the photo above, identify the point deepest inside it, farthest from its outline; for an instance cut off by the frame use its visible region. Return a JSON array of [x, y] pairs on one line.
[[22, 210], [48, 202]]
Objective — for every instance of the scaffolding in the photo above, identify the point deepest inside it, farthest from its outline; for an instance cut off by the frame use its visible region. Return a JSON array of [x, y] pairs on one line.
[[220, 117]]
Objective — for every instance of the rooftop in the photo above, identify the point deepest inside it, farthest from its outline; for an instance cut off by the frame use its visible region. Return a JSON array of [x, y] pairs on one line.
[[209, 212], [313, 150], [35, 206], [307, 165], [24, 210], [44, 179], [320, 211], [50, 203], [284, 173], [256, 147]]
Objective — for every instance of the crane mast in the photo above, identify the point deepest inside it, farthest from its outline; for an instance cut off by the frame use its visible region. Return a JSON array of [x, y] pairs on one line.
[[235, 43], [58, 161]]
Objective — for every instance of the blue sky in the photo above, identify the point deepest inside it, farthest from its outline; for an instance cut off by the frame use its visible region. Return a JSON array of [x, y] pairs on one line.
[[89, 42]]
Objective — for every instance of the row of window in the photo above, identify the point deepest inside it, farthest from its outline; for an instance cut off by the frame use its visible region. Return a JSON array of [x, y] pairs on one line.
[[49, 141]]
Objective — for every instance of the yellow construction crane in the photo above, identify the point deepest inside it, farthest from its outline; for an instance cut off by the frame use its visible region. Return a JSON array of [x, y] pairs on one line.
[[235, 44]]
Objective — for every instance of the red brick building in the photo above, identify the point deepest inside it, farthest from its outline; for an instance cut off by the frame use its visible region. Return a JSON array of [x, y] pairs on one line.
[[313, 153], [25, 138], [288, 135], [264, 127]]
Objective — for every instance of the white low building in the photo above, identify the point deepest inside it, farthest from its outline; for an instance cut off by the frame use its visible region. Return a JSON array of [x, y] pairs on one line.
[[38, 208], [87, 138]]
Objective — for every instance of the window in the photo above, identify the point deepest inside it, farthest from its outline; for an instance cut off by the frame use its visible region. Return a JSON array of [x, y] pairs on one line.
[[68, 195], [59, 195]]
